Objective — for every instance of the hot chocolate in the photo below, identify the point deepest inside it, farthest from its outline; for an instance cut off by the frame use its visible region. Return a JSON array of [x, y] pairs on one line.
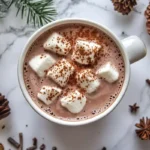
[[74, 72]]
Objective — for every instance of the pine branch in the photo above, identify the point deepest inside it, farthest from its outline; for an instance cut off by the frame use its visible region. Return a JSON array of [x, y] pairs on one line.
[[37, 12], [5, 3], [4, 7]]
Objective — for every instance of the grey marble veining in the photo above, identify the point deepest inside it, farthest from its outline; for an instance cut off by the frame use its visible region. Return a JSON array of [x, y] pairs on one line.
[[116, 131]]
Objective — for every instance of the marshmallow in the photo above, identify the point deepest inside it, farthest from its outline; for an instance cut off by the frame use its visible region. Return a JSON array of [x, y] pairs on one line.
[[57, 44], [87, 80], [48, 94], [108, 72], [73, 101], [85, 52], [61, 72], [41, 63]]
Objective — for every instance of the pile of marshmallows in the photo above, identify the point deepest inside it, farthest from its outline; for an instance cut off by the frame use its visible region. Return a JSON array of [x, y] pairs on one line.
[[84, 53]]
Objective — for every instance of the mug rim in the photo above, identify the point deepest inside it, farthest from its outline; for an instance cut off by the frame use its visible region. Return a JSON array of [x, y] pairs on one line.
[[48, 26]]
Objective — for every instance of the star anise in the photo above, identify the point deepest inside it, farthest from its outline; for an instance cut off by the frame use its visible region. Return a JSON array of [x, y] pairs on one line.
[[134, 107], [144, 129]]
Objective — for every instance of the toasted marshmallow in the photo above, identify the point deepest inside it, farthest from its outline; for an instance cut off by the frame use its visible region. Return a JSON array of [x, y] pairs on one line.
[[108, 72], [87, 80], [41, 63], [57, 44], [73, 101], [48, 94], [61, 72], [85, 52]]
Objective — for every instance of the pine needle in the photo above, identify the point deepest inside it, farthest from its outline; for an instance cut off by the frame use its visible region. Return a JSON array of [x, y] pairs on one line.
[[38, 12]]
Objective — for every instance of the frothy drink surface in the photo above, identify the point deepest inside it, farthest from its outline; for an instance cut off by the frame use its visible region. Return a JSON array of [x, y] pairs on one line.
[[98, 101]]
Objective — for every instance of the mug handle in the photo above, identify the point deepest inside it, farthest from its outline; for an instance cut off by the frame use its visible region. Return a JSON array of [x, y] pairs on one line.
[[135, 48]]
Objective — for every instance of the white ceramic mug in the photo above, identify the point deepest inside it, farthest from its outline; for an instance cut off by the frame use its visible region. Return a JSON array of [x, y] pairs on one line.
[[132, 49]]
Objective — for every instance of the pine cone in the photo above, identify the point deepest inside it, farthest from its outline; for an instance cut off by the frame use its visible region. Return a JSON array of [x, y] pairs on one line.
[[147, 15], [4, 107], [124, 6], [144, 129]]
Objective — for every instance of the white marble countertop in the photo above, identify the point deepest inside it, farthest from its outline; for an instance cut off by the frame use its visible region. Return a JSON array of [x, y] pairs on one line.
[[117, 130]]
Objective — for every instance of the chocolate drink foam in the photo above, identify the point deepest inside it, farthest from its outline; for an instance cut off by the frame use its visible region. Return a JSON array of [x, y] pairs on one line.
[[98, 101]]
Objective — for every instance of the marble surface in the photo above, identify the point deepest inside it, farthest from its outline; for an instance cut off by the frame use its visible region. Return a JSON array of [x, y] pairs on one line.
[[117, 130]]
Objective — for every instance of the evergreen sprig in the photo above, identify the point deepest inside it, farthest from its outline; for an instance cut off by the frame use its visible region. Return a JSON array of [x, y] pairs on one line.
[[38, 12], [4, 7]]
